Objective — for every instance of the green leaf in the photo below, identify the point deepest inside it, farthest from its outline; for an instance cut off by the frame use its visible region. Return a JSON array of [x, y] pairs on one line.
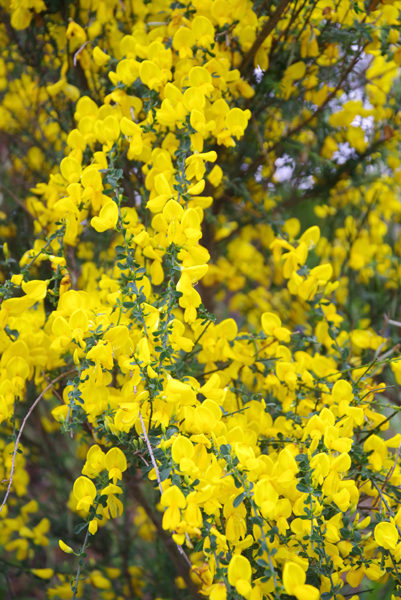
[[80, 527], [239, 499]]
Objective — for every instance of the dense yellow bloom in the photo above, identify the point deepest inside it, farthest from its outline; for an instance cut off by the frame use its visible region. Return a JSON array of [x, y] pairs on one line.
[[199, 273]]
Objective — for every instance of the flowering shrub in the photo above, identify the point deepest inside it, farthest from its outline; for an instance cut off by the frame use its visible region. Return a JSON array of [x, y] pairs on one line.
[[199, 333]]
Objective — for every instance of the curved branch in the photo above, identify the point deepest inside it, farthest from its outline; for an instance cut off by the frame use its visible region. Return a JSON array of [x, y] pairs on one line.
[[24, 422]]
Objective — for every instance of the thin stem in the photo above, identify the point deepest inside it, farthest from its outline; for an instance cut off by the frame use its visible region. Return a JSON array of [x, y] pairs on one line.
[[79, 565], [378, 427], [190, 354], [382, 498]]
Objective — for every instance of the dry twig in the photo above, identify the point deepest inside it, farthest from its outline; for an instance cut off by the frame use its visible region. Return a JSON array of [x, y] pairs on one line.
[[389, 474], [78, 52], [24, 422], [152, 457], [17, 200]]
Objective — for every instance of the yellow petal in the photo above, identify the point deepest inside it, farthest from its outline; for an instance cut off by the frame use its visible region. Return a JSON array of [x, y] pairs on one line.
[[293, 576], [65, 548], [386, 535], [43, 573]]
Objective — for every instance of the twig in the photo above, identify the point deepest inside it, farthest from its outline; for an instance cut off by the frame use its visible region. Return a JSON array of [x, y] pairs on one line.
[[396, 323], [179, 548], [137, 453], [389, 474], [362, 592], [75, 588], [263, 348], [259, 160], [53, 388], [378, 427], [389, 352], [152, 457], [382, 499], [190, 354], [368, 369], [78, 52], [22, 429]]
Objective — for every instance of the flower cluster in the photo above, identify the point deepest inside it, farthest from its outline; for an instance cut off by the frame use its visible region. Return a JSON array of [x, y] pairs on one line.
[[200, 267]]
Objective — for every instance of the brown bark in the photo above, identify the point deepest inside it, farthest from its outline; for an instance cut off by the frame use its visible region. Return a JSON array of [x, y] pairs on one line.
[[179, 564]]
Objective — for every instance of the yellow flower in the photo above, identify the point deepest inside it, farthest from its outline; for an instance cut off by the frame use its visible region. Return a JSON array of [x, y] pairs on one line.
[[173, 499], [386, 535], [100, 57], [84, 492], [107, 218], [271, 325], [43, 573], [294, 578], [35, 290], [65, 548], [239, 575], [116, 463]]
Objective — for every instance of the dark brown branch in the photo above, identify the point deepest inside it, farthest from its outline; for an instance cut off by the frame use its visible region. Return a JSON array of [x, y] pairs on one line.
[[263, 34], [259, 161], [17, 200]]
